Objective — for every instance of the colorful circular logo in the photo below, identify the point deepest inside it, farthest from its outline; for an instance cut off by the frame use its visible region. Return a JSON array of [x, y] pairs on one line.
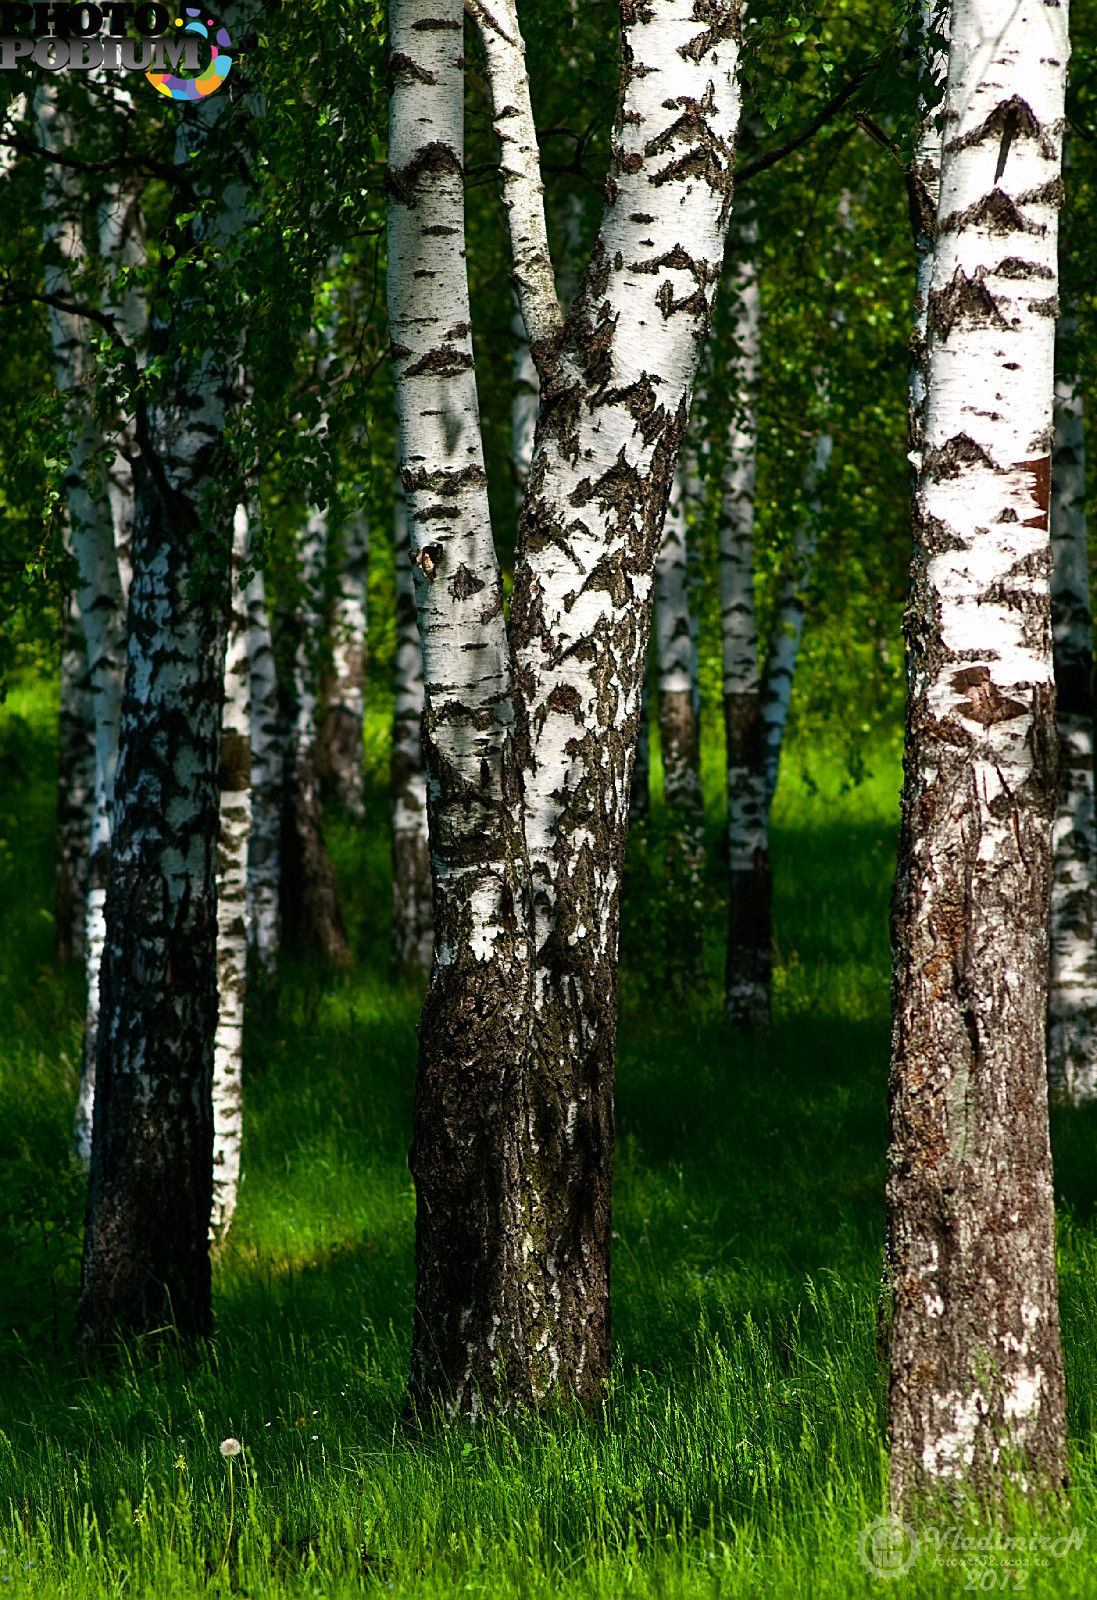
[[220, 66]]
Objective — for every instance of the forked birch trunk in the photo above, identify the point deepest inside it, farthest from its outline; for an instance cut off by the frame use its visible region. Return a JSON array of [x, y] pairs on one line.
[[311, 914], [469, 1346], [75, 786], [267, 783], [146, 1239], [976, 1366], [232, 894], [750, 885], [675, 656], [788, 621], [1072, 989], [341, 760], [616, 397], [412, 919]]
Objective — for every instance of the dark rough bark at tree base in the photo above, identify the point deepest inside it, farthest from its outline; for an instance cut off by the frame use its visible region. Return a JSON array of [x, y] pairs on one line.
[[146, 1254]]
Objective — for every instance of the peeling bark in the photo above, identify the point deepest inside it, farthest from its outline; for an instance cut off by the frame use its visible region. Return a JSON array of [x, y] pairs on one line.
[[340, 753], [976, 1366], [412, 918], [750, 885], [232, 887], [1072, 989]]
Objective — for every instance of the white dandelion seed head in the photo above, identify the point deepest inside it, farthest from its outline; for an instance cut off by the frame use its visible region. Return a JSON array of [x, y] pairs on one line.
[[230, 1447]]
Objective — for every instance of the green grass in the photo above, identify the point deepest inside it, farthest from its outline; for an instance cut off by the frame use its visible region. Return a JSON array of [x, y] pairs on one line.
[[743, 1447]]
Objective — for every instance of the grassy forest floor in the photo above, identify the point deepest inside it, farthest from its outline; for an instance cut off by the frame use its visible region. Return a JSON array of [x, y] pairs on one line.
[[743, 1449]]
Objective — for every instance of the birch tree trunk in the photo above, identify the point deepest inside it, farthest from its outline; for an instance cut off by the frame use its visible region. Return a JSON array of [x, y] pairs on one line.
[[311, 915], [1072, 991], [469, 1349], [75, 786], [232, 891], [524, 393], [345, 701], [99, 591], [615, 403], [750, 884], [675, 655], [267, 783], [924, 190], [788, 621], [412, 920], [976, 1367], [146, 1238]]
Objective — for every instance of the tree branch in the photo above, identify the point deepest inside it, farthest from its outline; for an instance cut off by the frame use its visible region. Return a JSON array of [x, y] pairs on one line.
[[832, 107], [520, 169]]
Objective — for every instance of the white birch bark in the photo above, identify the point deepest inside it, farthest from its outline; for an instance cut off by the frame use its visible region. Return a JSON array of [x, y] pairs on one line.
[[749, 960], [267, 783], [614, 410], [232, 891], [92, 534], [1072, 989], [412, 917], [976, 1365], [924, 184], [345, 706], [788, 622]]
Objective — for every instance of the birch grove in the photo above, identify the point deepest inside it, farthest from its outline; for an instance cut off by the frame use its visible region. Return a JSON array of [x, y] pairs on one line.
[[976, 1367]]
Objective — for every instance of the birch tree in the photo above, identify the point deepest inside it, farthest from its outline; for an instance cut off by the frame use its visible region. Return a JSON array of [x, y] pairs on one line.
[[232, 891], [75, 786], [341, 769], [976, 1367], [146, 1239], [412, 919], [750, 889], [514, 1120], [267, 772], [1072, 991]]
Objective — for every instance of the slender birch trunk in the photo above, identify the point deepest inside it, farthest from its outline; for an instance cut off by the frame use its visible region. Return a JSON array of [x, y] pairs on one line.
[[311, 915], [340, 753], [924, 190], [75, 786], [675, 657], [146, 1238], [412, 919], [750, 883], [267, 783], [616, 397], [788, 621], [1072, 990], [469, 1342], [976, 1366], [524, 394], [99, 589], [232, 892]]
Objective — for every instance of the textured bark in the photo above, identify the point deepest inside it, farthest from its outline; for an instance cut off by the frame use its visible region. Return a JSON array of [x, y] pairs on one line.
[[267, 780], [232, 890], [75, 786], [788, 621], [311, 916], [468, 1347], [614, 406], [924, 189], [146, 1239], [750, 887], [412, 917], [675, 665], [99, 590], [976, 1366], [340, 752], [1072, 989], [525, 389]]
